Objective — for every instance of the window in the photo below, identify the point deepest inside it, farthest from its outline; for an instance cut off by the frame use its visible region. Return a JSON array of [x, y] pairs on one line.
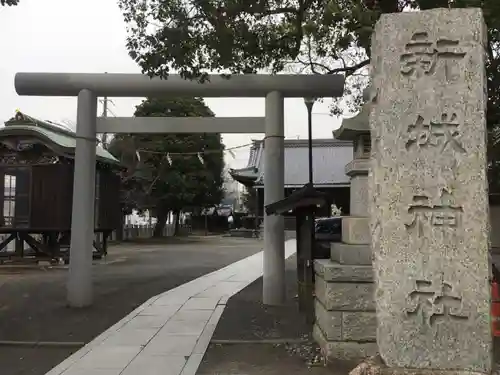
[[9, 199]]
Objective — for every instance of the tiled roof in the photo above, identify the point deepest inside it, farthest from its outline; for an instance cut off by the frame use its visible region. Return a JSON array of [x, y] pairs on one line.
[[329, 159], [64, 139]]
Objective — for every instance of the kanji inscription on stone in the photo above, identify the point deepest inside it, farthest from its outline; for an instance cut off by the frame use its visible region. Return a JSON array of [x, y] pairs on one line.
[[423, 56], [433, 302], [443, 133], [423, 211]]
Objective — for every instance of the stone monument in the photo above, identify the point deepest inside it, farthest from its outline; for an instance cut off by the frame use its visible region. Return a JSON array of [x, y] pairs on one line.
[[345, 311], [429, 199]]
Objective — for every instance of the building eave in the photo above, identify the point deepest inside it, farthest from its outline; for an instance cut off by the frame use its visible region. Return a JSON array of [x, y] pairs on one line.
[[245, 176]]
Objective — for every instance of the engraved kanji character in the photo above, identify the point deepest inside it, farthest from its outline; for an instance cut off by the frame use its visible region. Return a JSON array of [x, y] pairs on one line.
[[447, 128], [431, 302], [443, 132], [422, 56]]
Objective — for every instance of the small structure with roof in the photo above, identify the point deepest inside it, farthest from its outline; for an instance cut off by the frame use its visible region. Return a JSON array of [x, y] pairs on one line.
[[36, 171]]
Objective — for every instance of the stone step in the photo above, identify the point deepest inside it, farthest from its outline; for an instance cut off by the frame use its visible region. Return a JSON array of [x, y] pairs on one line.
[[343, 253], [346, 325], [344, 350], [331, 271], [356, 230], [345, 295]]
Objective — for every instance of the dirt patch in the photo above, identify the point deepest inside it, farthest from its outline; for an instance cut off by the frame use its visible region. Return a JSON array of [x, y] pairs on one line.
[[247, 318], [30, 361], [263, 359]]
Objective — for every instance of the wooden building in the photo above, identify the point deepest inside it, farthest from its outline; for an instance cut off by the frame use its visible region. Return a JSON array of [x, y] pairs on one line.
[[36, 174]]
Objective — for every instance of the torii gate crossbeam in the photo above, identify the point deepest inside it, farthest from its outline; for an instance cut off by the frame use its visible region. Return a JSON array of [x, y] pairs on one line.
[[151, 125], [87, 87]]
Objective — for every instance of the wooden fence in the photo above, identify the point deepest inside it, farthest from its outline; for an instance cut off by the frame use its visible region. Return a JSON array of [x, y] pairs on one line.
[[132, 231]]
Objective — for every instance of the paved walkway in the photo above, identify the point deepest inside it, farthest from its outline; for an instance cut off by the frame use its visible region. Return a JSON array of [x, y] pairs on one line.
[[169, 333]]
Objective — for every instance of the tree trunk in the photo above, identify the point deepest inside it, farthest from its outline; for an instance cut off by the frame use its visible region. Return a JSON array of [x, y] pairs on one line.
[[176, 222], [161, 220]]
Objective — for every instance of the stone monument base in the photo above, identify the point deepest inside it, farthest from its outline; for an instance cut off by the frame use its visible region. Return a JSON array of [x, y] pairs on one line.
[[376, 366], [345, 311]]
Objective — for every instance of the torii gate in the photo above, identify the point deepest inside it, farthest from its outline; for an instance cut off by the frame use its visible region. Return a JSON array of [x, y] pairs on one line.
[[88, 87]]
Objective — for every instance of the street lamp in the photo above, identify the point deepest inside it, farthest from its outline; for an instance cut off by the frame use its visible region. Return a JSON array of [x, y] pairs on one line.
[[309, 102], [306, 254]]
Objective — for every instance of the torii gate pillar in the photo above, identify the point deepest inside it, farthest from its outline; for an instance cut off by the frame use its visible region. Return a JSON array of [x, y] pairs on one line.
[[79, 285], [274, 190]]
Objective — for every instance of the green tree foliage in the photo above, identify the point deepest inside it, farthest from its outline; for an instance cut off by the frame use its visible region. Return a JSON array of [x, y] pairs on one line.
[[169, 172], [9, 2], [194, 37]]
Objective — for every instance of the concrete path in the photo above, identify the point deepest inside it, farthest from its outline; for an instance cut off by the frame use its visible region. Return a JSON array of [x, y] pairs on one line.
[[169, 333]]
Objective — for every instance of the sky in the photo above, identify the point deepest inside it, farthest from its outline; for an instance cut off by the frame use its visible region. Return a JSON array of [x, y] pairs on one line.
[[89, 36]]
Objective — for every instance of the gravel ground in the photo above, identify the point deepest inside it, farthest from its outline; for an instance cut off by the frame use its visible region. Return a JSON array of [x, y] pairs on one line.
[[262, 359], [32, 299], [247, 320]]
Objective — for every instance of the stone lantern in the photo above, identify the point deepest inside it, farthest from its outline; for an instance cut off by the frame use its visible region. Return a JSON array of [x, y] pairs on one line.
[[357, 130], [344, 308]]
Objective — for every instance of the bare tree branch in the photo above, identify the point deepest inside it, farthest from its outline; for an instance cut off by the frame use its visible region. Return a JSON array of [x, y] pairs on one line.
[[349, 70]]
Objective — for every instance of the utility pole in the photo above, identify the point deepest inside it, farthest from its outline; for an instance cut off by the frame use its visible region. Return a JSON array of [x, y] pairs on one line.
[[104, 136], [308, 251], [105, 107], [309, 102]]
